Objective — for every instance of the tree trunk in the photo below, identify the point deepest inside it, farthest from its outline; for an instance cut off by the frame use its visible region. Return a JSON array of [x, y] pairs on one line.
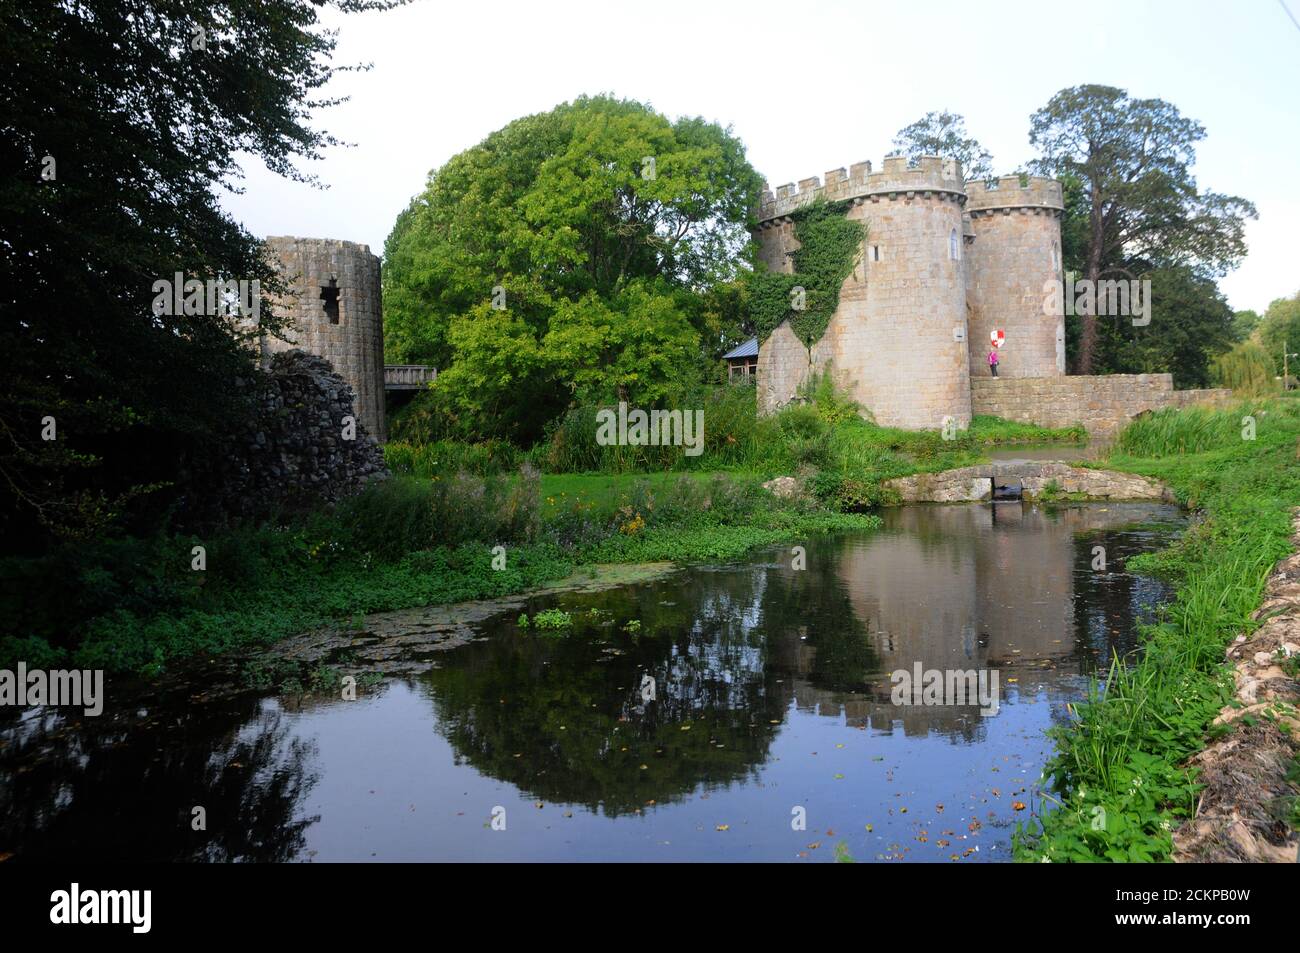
[[1096, 238]]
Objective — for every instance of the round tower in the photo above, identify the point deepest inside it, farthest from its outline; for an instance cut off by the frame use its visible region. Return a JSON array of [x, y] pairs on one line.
[[1013, 261], [335, 310], [898, 340]]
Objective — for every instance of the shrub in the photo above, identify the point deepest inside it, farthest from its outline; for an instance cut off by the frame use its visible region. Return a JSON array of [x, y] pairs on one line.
[[406, 514]]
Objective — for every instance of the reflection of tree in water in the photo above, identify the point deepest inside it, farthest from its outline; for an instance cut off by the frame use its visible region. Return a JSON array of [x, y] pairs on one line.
[[1109, 605], [127, 793], [563, 718], [808, 620]]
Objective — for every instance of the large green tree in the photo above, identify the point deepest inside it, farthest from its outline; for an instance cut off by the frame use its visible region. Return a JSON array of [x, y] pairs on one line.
[[122, 120], [592, 229], [1141, 205], [1191, 323], [1279, 333], [944, 134]]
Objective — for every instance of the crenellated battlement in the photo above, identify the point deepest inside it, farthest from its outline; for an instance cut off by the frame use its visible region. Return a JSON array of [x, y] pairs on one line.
[[898, 175], [1007, 192]]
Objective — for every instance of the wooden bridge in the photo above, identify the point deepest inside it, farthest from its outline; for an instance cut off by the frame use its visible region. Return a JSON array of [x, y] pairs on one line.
[[408, 376]]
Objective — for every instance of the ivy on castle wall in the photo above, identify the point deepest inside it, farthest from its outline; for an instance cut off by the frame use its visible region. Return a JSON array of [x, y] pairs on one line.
[[829, 246]]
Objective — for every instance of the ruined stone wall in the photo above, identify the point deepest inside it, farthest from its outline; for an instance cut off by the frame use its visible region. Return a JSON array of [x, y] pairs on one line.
[[352, 338], [897, 340], [293, 453], [1102, 404], [1015, 252]]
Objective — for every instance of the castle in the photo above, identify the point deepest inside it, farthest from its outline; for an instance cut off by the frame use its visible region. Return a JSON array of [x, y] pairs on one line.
[[944, 263]]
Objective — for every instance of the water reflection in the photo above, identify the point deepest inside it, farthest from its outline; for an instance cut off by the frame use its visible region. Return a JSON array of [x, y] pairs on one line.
[[771, 689]]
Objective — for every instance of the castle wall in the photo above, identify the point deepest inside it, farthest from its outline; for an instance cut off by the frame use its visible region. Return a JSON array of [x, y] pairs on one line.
[[355, 344], [1102, 404], [896, 342], [1014, 254]]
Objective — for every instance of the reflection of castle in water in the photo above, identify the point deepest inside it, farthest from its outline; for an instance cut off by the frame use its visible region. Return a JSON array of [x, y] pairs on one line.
[[1007, 587]]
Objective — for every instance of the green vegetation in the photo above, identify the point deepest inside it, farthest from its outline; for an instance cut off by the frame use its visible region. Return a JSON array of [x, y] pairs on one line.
[[127, 604], [547, 620], [1135, 211], [944, 134], [552, 261], [138, 397], [829, 246], [1247, 369], [1117, 782]]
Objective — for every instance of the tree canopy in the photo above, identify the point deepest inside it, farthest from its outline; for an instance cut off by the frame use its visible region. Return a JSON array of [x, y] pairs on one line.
[[1138, 204], [122, 121], [944, 134], [572, 247]]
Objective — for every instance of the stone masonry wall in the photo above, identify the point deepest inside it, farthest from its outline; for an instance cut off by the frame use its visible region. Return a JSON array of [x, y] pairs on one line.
[[1102, 404], [292, 454], [355, 344], [897, 340], [1014, 254]]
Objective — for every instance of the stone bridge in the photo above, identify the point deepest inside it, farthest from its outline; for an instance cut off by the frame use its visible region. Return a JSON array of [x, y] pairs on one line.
[[978, 483]]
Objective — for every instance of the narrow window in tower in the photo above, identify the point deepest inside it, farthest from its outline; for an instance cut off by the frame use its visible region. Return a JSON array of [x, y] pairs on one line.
[[875, 253], [954, 248], [1056, 256], [329, 295]]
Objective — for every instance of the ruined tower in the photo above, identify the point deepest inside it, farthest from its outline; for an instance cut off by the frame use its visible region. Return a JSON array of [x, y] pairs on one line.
[[1015, 253], [336, 311]]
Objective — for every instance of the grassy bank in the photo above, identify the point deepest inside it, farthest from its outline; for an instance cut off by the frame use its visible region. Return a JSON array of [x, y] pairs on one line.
[[1117, 786], [139, 605], [428, 535]]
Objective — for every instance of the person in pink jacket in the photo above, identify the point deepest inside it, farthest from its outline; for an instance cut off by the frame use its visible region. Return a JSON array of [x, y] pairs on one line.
[[993, 361]]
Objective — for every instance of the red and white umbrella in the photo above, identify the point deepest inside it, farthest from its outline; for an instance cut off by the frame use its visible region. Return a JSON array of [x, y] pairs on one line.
[[998, 337]]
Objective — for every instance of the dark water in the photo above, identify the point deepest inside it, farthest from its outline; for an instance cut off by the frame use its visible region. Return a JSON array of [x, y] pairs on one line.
[[772, 694]]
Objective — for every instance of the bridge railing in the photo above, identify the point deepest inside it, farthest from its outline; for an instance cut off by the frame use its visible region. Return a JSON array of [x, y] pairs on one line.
[[408, 376]]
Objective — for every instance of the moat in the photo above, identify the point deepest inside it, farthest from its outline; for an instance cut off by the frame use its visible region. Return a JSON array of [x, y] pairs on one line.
[[772, 703]]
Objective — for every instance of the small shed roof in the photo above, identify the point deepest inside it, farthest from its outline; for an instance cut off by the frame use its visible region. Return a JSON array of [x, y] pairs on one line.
[[748, 349]]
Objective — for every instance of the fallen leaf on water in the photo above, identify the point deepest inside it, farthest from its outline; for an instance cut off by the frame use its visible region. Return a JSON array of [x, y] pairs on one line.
[[1019, 805], [723, 827]]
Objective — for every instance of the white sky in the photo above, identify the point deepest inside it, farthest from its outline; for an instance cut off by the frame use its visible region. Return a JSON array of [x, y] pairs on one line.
[[807, 86]]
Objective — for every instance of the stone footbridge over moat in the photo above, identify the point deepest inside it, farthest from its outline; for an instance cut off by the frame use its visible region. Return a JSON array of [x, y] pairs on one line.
[[984, 481]]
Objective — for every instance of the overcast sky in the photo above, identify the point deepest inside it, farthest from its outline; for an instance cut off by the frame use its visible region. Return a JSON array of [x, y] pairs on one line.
[[808, 86]]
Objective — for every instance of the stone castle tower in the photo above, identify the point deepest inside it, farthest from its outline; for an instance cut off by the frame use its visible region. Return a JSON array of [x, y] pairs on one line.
[[337, 312], [944, 263]]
